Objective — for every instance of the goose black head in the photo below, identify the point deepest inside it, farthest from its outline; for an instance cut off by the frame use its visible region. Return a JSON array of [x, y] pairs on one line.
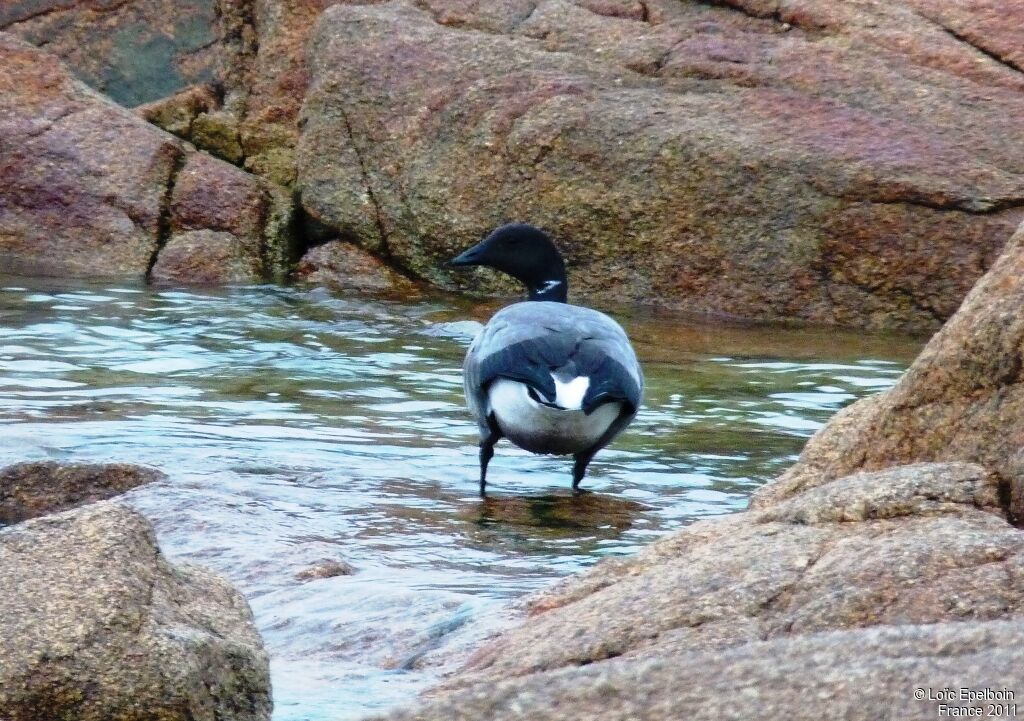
[[527, 254]]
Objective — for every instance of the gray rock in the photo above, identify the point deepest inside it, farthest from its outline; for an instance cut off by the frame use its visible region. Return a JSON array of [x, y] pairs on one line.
[[325, 568], [861, 675], [98, 626], [921, 489]]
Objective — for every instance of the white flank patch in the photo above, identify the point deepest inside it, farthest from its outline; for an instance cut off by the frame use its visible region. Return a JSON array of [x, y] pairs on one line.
[[544, 429], [570, 395]]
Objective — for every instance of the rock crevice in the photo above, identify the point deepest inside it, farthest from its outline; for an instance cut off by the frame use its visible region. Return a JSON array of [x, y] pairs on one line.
[[164, 222], [382, 234]]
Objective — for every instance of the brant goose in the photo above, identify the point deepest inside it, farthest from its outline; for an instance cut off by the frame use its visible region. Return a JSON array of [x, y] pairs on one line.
[[549, 376]]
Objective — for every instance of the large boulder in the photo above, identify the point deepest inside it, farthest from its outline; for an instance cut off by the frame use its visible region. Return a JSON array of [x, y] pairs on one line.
[[863, 675], [135, 51], [914, 544], [98, 626], [84, 184], [87, 188], [963, 399], [855, 163], [28, 490]]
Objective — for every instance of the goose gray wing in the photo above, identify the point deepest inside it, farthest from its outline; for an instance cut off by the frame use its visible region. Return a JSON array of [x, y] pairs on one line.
[[533, 341]]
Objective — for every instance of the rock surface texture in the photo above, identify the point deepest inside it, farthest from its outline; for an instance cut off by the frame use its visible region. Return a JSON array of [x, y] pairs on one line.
[[28, 490], [837, 595], [858, 163], [225, 226], [266, 78], [87, 188], [135, 51], [344, 266], [98, 626]]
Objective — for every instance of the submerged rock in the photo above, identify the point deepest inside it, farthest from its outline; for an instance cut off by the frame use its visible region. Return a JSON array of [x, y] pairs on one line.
[[326, 568], [838, 594], [98, 626], [28, 490], [812, 160]]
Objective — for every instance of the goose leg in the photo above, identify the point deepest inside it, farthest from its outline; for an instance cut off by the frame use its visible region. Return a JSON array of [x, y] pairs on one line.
[[579, 469], [486, 453], [583, 458]]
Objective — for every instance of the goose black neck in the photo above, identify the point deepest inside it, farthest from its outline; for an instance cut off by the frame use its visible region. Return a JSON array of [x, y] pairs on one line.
[[527, 254], [554, 290]]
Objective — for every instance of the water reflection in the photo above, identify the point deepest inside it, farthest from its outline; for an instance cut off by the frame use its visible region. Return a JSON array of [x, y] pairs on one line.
[[554, 514], [297, 427]]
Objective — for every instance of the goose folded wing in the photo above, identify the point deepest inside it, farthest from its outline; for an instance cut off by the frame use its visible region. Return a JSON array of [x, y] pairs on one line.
[[613, 370], [605, 358]]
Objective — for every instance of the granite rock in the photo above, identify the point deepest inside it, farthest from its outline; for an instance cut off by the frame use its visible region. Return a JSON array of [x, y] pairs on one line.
[[89, 189], [98, 626], [855, 164], [962, 399]]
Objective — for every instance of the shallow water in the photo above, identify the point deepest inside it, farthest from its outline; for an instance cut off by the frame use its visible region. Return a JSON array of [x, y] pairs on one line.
[[296, 427]]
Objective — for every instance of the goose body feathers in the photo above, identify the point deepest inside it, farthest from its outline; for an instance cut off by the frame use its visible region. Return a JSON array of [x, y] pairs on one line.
[[553, 377]]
